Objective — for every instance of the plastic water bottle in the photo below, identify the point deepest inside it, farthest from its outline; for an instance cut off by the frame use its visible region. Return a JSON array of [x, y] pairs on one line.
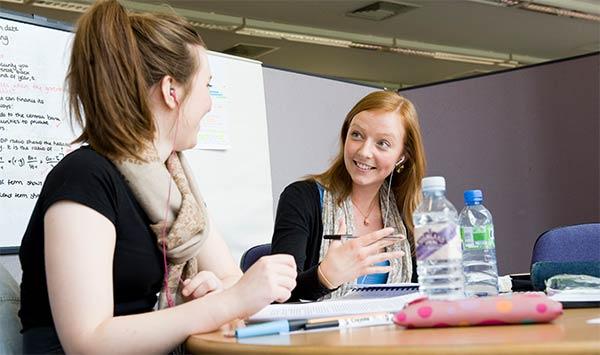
[[479, 251], [437, 243]]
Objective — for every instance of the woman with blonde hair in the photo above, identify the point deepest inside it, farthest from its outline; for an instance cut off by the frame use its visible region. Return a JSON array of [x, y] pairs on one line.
[[120, 218], [369, 192]]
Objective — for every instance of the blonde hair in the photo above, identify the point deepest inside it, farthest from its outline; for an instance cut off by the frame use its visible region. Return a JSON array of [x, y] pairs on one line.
[[116, 58], [406, 185]]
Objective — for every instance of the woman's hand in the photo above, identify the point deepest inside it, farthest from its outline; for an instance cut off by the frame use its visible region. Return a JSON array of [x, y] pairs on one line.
[[271, 279], [203, 283], [345, 261]]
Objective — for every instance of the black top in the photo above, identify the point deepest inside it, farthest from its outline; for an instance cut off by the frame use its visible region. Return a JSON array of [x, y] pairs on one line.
[[298, 232], [87, 178]]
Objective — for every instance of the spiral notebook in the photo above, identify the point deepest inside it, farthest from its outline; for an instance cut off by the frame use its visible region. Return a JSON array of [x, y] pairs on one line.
[[366, 291]]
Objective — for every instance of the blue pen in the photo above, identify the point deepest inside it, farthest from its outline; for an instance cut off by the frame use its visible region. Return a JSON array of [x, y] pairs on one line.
[[270, 328]]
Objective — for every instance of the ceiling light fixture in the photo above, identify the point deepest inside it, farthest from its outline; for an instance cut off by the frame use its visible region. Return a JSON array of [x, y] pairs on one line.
[[295, 37], [560, 12], [566, 8], [507, 62], [61, 5]]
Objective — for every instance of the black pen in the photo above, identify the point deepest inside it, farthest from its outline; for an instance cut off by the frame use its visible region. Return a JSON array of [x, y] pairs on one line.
[[338, 236], [350, 236]]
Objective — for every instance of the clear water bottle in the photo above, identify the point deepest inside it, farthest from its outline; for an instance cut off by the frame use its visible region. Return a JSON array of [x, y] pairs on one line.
[[479, 250], [437, 243]]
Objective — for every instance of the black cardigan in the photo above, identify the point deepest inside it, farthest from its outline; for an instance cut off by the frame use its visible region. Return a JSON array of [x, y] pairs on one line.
[[298, 232]]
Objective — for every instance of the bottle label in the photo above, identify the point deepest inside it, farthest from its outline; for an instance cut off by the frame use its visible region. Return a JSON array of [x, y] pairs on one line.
[[437, 241], [477, 238]]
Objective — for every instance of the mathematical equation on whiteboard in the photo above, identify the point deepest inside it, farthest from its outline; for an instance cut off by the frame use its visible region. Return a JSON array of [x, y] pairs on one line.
[[31, 162], [31, 155], [24, 164]]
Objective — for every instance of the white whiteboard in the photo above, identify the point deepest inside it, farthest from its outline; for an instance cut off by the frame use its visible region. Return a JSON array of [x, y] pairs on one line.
[[236, 182], [34, 132]]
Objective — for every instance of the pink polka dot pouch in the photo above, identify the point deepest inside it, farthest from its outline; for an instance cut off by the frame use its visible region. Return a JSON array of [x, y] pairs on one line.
[[518, 308]]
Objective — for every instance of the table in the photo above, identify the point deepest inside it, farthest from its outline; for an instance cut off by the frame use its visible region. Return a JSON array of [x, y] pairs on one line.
[[569, 334]]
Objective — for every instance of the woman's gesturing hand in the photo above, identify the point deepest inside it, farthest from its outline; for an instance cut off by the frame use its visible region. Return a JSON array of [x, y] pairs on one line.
[[347, 260]]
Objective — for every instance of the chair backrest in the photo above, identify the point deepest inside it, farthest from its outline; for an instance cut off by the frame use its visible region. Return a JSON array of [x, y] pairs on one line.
[[11, 341], [253, 254], [579, 242]]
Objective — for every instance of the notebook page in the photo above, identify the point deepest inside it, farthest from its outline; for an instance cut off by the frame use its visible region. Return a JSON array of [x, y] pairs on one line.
[[333, 308]]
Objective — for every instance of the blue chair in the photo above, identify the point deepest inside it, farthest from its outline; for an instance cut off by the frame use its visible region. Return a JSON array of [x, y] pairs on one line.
[[253, 254], [566, 250], [579, 242]]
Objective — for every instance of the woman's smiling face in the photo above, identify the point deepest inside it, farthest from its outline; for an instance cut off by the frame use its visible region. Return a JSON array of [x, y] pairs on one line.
[[374, 144]]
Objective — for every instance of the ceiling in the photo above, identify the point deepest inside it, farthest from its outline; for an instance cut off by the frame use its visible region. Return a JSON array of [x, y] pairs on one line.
[[467, 29]]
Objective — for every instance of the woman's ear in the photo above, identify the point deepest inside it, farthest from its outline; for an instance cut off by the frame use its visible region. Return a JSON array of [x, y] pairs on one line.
[[168, 90], [402, 160]]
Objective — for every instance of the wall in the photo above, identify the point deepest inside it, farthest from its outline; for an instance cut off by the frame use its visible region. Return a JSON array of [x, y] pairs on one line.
[[304, 115], [529, 138]]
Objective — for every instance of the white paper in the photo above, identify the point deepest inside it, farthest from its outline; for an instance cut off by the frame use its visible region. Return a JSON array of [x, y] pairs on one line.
[[334, 308], [214, 131], [577, 296]]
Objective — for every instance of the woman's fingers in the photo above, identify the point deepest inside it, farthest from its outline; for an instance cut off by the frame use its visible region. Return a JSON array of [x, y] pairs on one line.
[[379, 245], [377, 258], [201, 284], [376, 270], [287, 271], [287, 282], [206, 287], [192, 284], [372, 237]]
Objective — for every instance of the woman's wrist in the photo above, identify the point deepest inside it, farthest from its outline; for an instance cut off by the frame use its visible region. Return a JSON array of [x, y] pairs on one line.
[[230, 280], [217, 308], [233, 301], [323, 279]]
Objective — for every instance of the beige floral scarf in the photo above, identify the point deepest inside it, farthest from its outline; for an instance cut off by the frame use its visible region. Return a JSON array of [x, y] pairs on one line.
[[186, 219], [335, 217]]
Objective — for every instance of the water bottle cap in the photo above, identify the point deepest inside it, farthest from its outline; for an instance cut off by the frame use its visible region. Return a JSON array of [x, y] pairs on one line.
[[473, 197], [433, 183]]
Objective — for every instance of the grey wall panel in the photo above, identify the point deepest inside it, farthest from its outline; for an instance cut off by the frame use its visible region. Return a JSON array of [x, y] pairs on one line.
[[528, 138], [304, 116]]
